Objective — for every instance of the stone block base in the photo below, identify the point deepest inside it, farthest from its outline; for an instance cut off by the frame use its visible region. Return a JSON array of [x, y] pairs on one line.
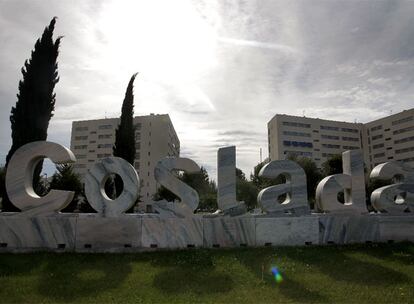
[[128, 233]]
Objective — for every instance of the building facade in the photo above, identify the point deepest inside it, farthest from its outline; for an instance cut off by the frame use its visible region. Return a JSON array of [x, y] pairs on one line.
[[155, 138], [388, 138]]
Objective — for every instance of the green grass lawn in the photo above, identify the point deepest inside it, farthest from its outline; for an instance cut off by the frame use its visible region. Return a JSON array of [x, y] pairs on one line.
[[348, 274]]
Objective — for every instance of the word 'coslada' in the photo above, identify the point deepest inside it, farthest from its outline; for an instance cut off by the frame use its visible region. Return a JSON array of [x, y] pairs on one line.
[[393, 199]]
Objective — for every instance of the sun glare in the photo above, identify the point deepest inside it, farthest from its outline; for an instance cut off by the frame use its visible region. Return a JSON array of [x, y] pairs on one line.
[[167, 41]]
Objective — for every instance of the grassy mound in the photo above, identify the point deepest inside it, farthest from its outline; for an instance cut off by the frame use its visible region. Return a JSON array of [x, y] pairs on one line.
[[358, 274]]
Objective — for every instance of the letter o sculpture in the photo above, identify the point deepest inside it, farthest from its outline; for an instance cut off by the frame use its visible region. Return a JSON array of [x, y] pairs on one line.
[[95, 186]]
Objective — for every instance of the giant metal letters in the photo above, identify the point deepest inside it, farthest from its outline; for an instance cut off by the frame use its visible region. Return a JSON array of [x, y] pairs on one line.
[[174, 225], [188, 196], [95, 181], [295, 188], [226, 182], [351, 182], [396, 198], [19, 178]]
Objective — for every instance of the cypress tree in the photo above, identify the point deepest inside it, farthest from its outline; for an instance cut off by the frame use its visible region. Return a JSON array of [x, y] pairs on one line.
[[124, 146], [36, 100]]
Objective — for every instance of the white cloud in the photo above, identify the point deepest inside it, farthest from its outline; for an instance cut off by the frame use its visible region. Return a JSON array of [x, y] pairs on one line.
[[221, 69]]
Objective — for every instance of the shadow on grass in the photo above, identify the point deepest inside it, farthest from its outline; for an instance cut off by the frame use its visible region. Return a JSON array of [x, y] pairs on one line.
[[78, 276], [69, 277], [190, 271], [338, 263], [290, 288]]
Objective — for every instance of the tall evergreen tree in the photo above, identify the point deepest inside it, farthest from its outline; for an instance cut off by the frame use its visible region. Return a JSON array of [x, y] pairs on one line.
[[124, 146], [36, 98], [125, 133]]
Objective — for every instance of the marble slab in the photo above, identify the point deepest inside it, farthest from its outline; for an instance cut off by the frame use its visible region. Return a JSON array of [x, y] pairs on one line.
[[229, 232], [396, 228], [98, 234], [287, 231], [37, 233], [172, 232], [343, 229]]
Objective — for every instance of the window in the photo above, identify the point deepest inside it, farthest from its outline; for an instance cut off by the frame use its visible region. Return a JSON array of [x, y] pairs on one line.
[[137, 145], [105, 127], [378, 146], [80, 147], [83, 137], [299, 153], [379, 155], [329, 146], [403, 140], [80, 166], [404, 150], [101, 155], [105, 136], [379, 127], [350, 138], [327, 154], [93, 132], [92, 142], [138, 126], [409, 159], [80, 156], [400, 121], [330, 137], [136, 165], [81, 129], [296, 124], [105, 146], [377, 137], [294, 133], [349, 130], [329, 128], [403, 130], [297, 144], [350, 147], [137, 136], [389, 148], [137, 155]]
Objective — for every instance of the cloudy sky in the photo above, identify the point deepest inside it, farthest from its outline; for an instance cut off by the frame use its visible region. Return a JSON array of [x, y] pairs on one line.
[[221, 69]]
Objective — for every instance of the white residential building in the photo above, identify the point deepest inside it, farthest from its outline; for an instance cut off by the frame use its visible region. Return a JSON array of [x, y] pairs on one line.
[[388, 138], [155, 138]]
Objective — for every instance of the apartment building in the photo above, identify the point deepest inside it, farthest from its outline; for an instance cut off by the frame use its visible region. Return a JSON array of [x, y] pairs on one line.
[[315, 138], [390, 138], [155, 138], [385, 139]]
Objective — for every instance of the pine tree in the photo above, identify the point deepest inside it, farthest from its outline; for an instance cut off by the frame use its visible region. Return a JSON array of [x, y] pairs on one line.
[[36, 100], [66, 179], [125, 133]]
